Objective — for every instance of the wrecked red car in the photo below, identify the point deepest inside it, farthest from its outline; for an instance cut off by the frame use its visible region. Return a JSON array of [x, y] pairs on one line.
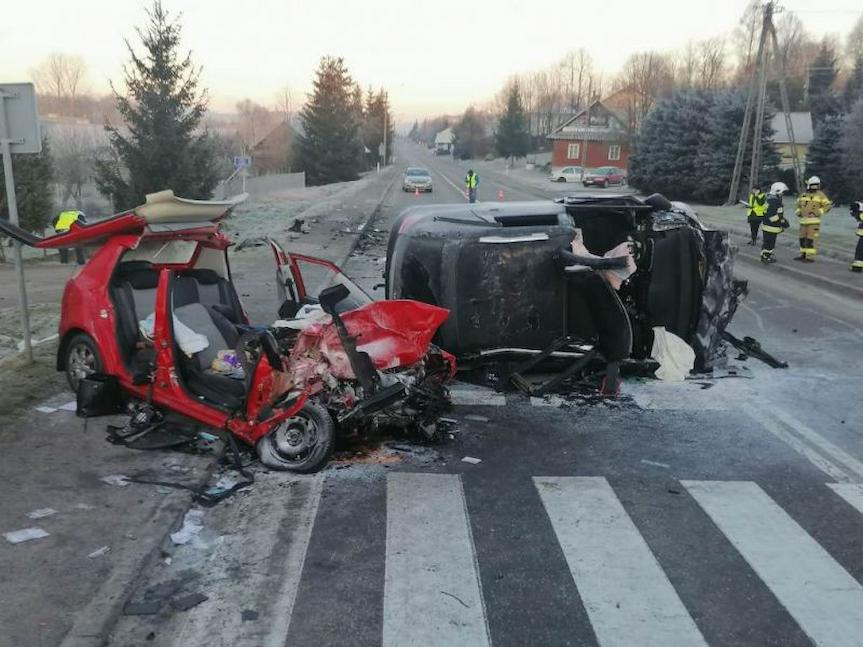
[[155, 306]]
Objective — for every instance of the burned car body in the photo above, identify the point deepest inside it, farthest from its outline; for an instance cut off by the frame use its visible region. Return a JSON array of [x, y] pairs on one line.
[[512, 278]]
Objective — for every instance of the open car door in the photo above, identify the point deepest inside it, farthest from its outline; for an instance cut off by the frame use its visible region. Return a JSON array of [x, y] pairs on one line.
[[300, 279]]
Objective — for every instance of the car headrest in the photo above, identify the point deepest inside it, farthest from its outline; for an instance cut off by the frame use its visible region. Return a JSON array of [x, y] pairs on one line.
[[204, 276]]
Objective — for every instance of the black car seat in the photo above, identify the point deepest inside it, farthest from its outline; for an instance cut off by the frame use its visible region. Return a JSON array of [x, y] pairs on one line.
[[207, 287], [221, 335], [133, 288]]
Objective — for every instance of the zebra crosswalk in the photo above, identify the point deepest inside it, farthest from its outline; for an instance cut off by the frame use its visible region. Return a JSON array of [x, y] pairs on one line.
[[426, 578]]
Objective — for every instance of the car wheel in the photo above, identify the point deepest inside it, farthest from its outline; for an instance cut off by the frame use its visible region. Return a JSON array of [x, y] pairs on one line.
[[303, 443], [81, 359], [561, 179]]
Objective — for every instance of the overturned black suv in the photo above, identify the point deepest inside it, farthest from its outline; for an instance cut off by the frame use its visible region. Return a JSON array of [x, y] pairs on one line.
[[605, 271]]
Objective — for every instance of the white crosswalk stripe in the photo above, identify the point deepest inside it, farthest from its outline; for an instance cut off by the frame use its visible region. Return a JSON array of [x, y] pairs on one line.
[[822, 597], [626, 593], [432, 592]]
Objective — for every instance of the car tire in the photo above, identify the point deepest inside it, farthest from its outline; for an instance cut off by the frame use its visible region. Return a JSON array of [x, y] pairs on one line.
[[81, 358], [560, 179], [288, 447]]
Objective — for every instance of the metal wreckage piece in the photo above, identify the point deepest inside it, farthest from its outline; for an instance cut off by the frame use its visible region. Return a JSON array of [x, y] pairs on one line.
[[579, 283]]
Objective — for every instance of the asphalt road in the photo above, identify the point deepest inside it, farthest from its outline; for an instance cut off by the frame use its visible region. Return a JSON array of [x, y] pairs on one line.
[[719, 512]]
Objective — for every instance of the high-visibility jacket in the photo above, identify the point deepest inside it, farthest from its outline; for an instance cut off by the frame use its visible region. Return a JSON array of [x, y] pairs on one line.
[[757, 204], [470, 181], [774, 217], [65, 221], [857, 214], [811, 206]]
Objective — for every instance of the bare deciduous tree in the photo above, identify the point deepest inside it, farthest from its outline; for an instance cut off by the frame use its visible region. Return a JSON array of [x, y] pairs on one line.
[[61, 76], [647, 75], [255, 121]]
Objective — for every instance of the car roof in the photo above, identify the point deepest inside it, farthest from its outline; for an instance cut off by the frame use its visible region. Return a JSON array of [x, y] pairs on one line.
[[488, 212], [417, 168]]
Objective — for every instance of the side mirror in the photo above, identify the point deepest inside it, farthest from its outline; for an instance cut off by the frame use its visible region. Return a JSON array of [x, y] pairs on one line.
[[331, 296]]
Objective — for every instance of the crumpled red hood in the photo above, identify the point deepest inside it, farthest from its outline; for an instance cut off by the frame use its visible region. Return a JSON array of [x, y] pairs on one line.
[[394, 333]]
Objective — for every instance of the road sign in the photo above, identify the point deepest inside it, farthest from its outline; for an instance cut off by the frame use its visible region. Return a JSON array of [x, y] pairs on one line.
[[19, 133], [242, 161]]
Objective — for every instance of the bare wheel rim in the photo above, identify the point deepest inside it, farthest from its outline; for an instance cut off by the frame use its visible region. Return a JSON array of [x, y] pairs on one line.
[[295, 439], [82, 362]]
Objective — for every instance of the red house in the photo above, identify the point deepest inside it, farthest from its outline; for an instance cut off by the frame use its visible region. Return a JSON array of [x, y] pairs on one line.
[[596, 136]]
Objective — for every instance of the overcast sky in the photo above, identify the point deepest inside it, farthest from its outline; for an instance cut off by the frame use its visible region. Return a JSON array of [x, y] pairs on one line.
[[434, 56]]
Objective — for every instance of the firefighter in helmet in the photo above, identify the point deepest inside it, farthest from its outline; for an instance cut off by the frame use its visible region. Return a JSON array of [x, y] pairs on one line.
[[811, 206], [757, 207], [857, 214], [774, 222]]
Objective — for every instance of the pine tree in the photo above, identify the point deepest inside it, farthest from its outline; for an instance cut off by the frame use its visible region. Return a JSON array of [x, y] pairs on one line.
[[470, 137], [330, 146], [854, 85], [33, 174], [668, 145], [718, 150], [823, 101], [851, 149], [512, 138], [414, 133], [161, 146], [824, 158], [377, 111]]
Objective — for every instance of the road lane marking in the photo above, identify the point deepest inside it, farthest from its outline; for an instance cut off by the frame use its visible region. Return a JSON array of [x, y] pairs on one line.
[[432, 590], [476, 397], [627, 595], [822, 597], [851, 492], [451, 183], [279, 565], [825, 455]]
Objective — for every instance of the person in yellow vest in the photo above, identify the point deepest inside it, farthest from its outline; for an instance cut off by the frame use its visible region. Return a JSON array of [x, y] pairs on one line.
[[774, 222], [63, 223], [471, 180], [811, 206], [757, 208], [857, 214]]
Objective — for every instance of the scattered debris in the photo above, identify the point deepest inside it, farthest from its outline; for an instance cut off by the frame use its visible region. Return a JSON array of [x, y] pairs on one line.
[[458, 599], [471, 460], [120, 480], [204, 435], [188, 601], [84, 506], [656, 464], [41, 513], [448, 421], [25, 534], [475, 418], [142, 607], [676, 358], [69, 406], [192, 526], [104, 550], [297, 225], [44, 409], [750, 347], [248, 615]]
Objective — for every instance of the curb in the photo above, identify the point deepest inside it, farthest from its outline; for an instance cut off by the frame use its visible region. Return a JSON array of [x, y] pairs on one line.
[[372, 217], [830, 284]]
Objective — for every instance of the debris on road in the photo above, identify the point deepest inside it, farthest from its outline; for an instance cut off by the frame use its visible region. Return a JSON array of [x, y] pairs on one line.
[[676, 358], [656, 464], [471, 460], [25, 534], [44, 409], [188, 601], [192, 527], [750, 347], [120, 480], [41, 513], [476, 418], [104, 550]]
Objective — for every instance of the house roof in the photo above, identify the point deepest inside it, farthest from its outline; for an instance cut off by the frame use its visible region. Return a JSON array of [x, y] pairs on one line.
[[801, 122], [613, 130]]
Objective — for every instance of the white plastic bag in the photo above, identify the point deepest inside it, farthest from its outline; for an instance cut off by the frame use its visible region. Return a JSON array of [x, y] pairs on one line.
[[676, 358], [189, 341]]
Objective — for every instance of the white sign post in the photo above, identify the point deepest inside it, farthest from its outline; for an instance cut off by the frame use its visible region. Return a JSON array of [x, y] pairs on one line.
[[19, 133]]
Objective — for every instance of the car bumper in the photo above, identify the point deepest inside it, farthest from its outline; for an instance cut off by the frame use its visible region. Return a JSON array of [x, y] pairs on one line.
[[417, 187]]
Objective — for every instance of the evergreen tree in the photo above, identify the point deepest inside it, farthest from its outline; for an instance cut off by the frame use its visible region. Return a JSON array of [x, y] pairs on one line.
[[851, 148], [377, 111], [470, 138], [161, 146], [668, 145], [823, 101], [824, 158], [33, 174], [330, 146], [718, 150], [512, 138], [414, 133], [854, 85]]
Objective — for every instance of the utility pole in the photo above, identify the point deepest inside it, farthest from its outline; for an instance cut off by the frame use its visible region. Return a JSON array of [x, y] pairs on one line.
[[756, 100], [386, 111]]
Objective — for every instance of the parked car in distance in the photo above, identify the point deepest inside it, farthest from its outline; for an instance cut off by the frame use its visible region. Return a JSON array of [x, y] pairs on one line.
[[604, 176], [417, 179], [567, 174]]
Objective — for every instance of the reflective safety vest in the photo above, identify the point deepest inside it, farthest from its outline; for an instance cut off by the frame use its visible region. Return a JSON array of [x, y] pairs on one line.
[[811, 205], [65, 221], [774, 218], [470, 181], [858, 216], [757, 204]]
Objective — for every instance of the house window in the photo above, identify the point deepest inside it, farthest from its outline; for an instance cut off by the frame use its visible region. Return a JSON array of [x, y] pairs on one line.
[[614, 152], [572, 152]]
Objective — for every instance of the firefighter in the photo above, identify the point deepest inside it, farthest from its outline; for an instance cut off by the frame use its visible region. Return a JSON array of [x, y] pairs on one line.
[[811, 206], [857, 214], [471, 180], [757, 207], [63, 223], [774, 222]]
